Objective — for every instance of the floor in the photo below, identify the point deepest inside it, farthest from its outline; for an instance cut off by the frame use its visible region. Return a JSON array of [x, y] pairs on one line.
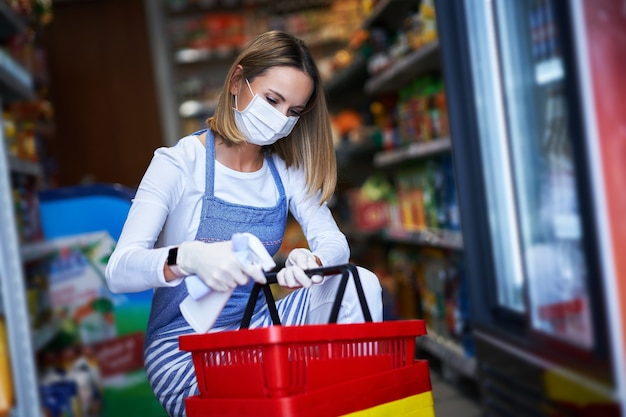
[[454, 399]]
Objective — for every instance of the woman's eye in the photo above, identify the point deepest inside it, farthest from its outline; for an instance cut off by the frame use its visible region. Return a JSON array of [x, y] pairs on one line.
[[271, 101], [295, 113]]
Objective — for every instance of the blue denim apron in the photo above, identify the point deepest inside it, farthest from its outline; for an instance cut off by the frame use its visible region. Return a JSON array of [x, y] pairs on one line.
[[170, 371]]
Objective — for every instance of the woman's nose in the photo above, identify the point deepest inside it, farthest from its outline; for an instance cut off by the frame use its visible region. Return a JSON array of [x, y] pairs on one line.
[[284, 109]]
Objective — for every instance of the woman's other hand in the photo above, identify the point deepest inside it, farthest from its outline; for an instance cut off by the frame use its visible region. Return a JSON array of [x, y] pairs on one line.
[[293, 275]]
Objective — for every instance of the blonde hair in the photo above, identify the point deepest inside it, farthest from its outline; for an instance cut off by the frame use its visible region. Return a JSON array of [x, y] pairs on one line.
[[310, 144]]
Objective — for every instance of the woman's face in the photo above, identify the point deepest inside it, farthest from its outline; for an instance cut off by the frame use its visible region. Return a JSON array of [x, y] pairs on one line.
[[286, 88]]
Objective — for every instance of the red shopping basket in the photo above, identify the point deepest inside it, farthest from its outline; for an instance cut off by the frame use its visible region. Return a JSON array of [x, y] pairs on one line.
[[282, 361], [279, 361], [329, 401]]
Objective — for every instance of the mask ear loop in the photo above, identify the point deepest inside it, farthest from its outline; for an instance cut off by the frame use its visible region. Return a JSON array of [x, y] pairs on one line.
[[252, 92], [250, 88]]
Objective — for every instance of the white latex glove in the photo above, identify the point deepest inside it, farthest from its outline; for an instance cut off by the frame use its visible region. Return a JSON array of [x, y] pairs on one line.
[[215, 264], [292, 275]]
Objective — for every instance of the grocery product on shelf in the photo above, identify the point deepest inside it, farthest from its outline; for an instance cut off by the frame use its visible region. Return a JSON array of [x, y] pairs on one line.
[[71, 383], [421, 111], [421, 196], [429, 284], [7, 392], [27, 119], [26, 207]]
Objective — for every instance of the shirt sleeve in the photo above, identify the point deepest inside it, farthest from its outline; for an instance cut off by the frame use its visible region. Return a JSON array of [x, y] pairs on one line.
[[318, 225], [135, 264]]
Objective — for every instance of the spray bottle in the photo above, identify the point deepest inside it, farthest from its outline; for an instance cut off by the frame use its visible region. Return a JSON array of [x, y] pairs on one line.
[[202, 306]]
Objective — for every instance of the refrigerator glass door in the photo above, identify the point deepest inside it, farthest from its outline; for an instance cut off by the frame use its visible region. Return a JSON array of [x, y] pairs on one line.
[[537, 165], [496, 164]]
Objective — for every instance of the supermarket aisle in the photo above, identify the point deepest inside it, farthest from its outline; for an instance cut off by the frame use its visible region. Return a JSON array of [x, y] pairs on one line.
[[453, 400]]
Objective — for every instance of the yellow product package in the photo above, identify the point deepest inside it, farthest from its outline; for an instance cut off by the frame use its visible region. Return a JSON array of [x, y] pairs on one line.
[[6, 376]]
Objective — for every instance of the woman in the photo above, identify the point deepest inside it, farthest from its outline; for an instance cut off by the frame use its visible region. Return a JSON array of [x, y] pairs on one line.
[[267, 151]]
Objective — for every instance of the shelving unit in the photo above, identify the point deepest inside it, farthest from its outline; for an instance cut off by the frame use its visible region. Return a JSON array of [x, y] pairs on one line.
[[413, 151], [23, 166], [350, 78], [353, 77], [10, 22], [192, 57], [386, 12], [15, 84], [404, 70], [450, 354], [407, 68], [445, 239]]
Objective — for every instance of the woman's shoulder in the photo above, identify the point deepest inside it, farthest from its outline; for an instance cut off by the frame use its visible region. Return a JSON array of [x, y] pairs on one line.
[[187, 151], [186, 144]]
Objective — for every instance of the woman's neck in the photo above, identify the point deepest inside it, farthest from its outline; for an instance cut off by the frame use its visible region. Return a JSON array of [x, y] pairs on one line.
[[245, 158]]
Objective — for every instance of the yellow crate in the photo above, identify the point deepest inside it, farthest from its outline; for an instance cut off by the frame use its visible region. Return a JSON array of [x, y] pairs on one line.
[[420, 405]]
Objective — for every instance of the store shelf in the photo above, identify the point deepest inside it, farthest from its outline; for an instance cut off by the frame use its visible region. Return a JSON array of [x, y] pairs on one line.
[[445, 239], [15, 82], [419, 62], [22, 166], [386, 12], [449, 352], [194, 109], [361, 236], [272, 6], [346, 78], [413, 151], [291, 6], [352, 77], [347, 151], [180, 9], [203, 56], [42, 336], [10, 22]]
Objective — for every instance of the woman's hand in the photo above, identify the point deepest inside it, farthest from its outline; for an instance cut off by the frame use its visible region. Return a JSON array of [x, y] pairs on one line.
[[293, 275], [215, 264]]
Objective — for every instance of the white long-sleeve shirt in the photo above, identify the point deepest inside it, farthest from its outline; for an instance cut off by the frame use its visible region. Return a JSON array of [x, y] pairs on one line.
[[167, 206]]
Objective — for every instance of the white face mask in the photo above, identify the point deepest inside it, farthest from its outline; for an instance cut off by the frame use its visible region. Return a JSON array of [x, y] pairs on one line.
[[261, 123]]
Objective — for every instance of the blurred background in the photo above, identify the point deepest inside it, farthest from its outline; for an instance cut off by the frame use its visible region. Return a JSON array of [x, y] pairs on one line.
[[480, 149]]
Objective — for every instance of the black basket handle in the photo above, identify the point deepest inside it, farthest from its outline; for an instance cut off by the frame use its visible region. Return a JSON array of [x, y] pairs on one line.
[[344, 270]]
